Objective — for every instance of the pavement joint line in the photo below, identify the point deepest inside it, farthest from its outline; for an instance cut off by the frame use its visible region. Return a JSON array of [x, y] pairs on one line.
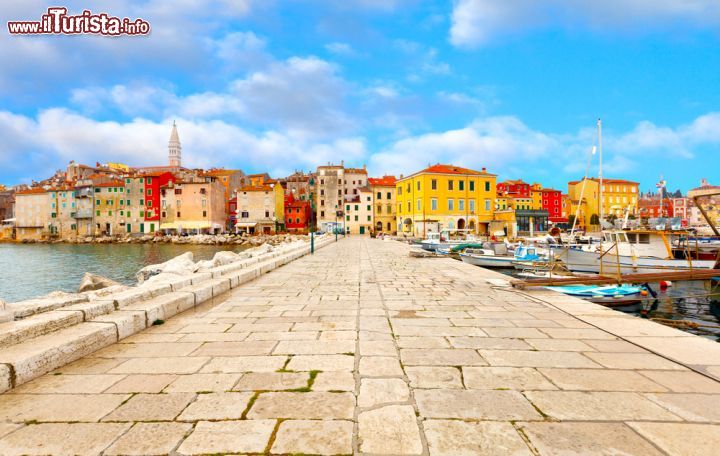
[[665, 357], [411, 396]]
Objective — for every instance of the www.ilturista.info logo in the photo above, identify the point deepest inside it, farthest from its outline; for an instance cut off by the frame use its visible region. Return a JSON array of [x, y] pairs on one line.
[[57, 22]]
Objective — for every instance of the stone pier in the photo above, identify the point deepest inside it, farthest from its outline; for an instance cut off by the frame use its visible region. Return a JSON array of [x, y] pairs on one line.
[[361, 349]]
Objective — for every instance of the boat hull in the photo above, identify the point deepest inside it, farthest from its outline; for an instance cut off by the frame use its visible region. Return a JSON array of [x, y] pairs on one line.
[[577, 260], [488, 261]]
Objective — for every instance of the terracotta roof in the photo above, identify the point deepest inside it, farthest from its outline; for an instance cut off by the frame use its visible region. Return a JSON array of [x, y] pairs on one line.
[[221, 172], [451, 169], [32, 191], [355, 171], [514, 182], [606, 181], [111, 184], [385, 181], [256, 188]]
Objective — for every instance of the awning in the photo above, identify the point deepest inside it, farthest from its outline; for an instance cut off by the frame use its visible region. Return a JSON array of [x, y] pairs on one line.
[[189, 225], [245, 224]]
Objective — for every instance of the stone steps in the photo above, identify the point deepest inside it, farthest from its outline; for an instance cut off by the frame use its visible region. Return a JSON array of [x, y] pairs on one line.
[[49, 336]]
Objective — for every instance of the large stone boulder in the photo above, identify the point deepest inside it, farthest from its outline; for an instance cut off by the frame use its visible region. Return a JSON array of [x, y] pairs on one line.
[[180, 265], [221, 259], [92, 282]]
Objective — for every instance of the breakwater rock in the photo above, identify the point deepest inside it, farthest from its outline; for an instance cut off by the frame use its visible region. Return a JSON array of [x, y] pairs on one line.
[[197, 239]]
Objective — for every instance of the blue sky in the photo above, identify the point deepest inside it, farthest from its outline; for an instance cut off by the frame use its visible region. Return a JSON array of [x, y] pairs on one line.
[[270, 85]]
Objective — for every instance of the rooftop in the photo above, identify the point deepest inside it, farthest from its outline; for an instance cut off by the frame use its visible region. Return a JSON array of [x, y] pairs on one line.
[[450, 169], [385, 181]]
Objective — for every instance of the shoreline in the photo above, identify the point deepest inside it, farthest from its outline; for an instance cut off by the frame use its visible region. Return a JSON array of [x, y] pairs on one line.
[[197, 239]]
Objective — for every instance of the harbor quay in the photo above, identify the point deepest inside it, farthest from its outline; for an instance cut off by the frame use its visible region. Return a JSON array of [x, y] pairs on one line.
[[361, 349]]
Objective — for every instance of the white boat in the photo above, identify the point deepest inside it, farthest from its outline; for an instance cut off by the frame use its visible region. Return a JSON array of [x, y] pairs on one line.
[[627, 252], [443, 240], [487, 258], [497, 257]]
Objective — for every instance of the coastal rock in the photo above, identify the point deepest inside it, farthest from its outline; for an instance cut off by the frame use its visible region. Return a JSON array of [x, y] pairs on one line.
[[180, 265], [220, 259], [92, 282], [5, 315]]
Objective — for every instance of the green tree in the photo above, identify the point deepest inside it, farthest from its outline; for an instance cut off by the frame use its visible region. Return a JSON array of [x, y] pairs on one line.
[[571, 220]]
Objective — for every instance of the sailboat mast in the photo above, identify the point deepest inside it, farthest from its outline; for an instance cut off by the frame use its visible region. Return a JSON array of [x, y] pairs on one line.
[[602, 202]]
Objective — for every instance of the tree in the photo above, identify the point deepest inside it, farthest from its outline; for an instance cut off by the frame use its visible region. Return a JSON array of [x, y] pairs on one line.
[[594, 219], [571, 220]]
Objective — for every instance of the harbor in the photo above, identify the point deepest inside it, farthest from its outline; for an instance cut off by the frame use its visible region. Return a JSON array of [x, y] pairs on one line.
[[361, 348]]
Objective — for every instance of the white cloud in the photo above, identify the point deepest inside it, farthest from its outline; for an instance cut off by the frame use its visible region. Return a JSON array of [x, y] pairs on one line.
[[59, 135], [476, 22]]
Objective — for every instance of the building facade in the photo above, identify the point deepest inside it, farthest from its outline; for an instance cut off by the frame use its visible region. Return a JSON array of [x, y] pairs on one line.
[[384, 204], [359, 212], [193, 207], [32, 214], [619, 196], [334, 185], [445, 197], [260, 209], [298, 214]]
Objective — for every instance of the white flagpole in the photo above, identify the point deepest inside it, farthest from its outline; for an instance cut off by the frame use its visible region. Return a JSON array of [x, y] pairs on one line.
[[602, 202]]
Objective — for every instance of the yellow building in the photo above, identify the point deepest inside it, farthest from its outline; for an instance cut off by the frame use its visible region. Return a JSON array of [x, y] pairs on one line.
[[619, 196], [384, 203], [260, 208], [445, 197], [536, 197]]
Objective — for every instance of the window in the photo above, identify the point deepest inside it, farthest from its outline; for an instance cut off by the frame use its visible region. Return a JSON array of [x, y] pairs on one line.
[[408, 187], [297, 220], [149, 192], [142, 213], [178, 191], [451, 204], [97, 202], [461, 185], [178, 215], [97, 190], [110, 213], [409, 206], [322, 192], [487, 205], [389, 195], [127, 181], [204, 213], [347, 218], [142, 202], [369, 208], [177, 203], [122, 212], [356, 218], [461, 205], [433, 204], [127, 202], [450, 184], [122, 202], [53, 215], [418, 185], [433, 184], [379, 195], [419, 204], [472, 186], [108, 202], [356, 207], [204, 203], [267, 214], [149, 180], [487, 186], [97, 213], [379, 208], [399, 191], [472, 206], [368, 218], [149, 203]]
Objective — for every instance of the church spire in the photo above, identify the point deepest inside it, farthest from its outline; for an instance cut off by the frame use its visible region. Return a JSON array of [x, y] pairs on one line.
[[174, 148]]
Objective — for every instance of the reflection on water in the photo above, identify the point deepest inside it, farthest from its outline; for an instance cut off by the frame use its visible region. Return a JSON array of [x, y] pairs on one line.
[[31, 270]]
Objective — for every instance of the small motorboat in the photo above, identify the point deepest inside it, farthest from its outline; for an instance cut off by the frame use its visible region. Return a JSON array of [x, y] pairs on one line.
[[610, 295], [486, 258], [530, 257]]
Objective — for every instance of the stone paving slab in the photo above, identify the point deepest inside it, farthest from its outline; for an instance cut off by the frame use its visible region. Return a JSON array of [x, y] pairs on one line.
[[362, 349]]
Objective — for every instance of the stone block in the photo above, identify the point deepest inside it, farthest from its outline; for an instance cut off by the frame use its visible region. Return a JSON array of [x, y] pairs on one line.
[[220, 286], [24, 309], [127, 322], [164, 307], [40, 355], [15, 332]]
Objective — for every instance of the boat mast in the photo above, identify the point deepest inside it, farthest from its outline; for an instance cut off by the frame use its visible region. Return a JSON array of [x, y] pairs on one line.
[[602, 202]]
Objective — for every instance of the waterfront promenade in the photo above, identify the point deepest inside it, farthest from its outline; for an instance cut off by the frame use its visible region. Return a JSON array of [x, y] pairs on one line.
[[362, 349]]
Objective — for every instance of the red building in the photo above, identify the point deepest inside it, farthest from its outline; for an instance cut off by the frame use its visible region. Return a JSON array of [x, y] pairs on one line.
[[654, 207], [298, 214], [514, 188], [153, 183], [552, 202]]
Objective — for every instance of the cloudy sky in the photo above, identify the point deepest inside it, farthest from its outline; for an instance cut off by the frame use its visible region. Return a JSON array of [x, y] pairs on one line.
[[277, 85]]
